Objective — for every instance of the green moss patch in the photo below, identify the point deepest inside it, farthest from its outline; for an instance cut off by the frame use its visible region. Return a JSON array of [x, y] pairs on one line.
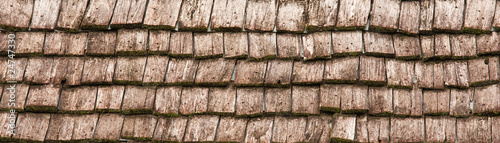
[[276, 85], [438, 30], [268, 57], [125, 82], [107, 110], [153, 83], [307, 83], [221, 113], [194, 29], [401, 115], [349, 28], [249, 115], [69, 30], [137, 111], [12, 28], [227, 29], [340, 140], [382, 29], [331, 109], [157, 141], [407, 33], [475, 31], [483, 83], [400, 87], [416, 57], [249, 84], [355, 111], [376, 54], [218, 84], [304, 114], [383, 114], [180, 84], [426, 32], [437, 114], [131, 53], [128, 26], [227, 142], [460, 116], [166, 114], [180, 55], [100, 54], [76, 112], [36, 54], [237, 57], [139, 139], [488, 113], [311, 28], [463, 57], [347, 54], [372, 83], [208, 57], [43, 109], [159, 27], [336, 81], [26, 141], [104, 140], [95, 27], [157, 52]]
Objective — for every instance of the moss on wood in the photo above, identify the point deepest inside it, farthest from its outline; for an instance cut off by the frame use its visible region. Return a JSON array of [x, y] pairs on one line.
[[138, 139], [340, 140], [44, 109], [95, 27], [107, 110], [399, 87], [277, 85], [12, 28], [484, 83], [416, 57], [159, 27], [331, 109], [166, 114], [438, 30], [131, 53], [227, 29], [194, 29], [137, 111], [475, 31], [180, 84], [127, 26], [249, 84], [383, 114], [180, 55], [311, 28], [83, 112], [355, 111], [237, 57], [218, 84], [250, 115], [437, 114], [382, 29], [126, 82], [349, 28], [208, 57], [337, 81], [372, 83], [376, 54], [268, 57]]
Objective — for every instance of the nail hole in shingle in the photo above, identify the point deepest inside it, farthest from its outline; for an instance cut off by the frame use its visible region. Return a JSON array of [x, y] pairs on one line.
[[486, 61]]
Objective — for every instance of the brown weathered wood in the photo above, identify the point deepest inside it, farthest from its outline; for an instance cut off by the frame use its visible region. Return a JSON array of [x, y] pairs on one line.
[[19, 69], [463, 46], [109, 98], [195, 15], [377, 44], [305, 100], [399, 73], [291, 16], [181, 72], [156, 68], [222, 100], [384, 15], [318, 128], [372, 129], [406, 48], [129, 70], [139, 127], [249, 101], [347, 43], [308, 73], [322, 15], [427, 46], [429, 75], [235, 45], [488, 43], [473, 129], [478, 16], [279, 73], [426, 16], [194, 100], [20, 91], [5, 43], [262, 46], [109, 127], [162, 14], [260, 15], [159, 42], [128, 14], [344, 128], [448, 16], [216, 72], [317, 46], [289, 129], [181, 44], [208, 45], [170, 129], [231, 129], [330, 97], [31, 127], [78, 100], [440, 129], [16, 15], [250, 73], [228, 15], [401, 101], [456, 74], [372, 71], [201, 128], [409, 17], [407, 129], [342, 70], [460, 102], [74, 71], [353, 99], [98, 14], [259, 130], [353, 14], [45, 13], [138, 100], [39, 70], [442, 46], [436, 102], [55, 43], [132, 42], [484, 71], [486, 100], [278, 101], [380, 101], [59, 70], [167, 101], [289, 46], [101, 43], [496, 21], [29, 43], [495, 128], [71, 15], [76, 44], [416, 102], [61, 127], [84, 127]]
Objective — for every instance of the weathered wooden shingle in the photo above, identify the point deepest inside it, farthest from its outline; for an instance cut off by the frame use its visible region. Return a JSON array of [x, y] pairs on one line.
[[84, 127], [406, 47], [495, 128], [289, 129], [129, 70], [55, 43], [156, 67], [235, 45], [9, 37], [45, 13], [484, 71], [181, 72], [289, 46], [109, 98], [59, 69], [262, 46], [158, 42], [486, 100], [170, 129], [19, 69], [74, 71], [348, 43], [138, 100], [195, 15], [101, 43], [278, 101], [14, 93], [139, 127], [460, 101], [344, 128], [436, 102], [456, 74], [162, 14], [167, 101], [181, 44], [201, 128], [442, 46], [249, 101], [291, 16], [372, 129], [279, 73], [16, 15], [401, 100], [427, 46], [215, 72], [384, 15], [231, 129], [259, 130], [372, 71], [496, 21], [208, 45], [473, 129], [488, 43], [31, 127], [409, 17], [128, 14], [222, 100], [317, 45], [380, 101], [322, 15], [400, 73], [429, 75], [43, 98], [448, 16], [478, 16], [194, 100], [60, 128], [71, 15], [305, 100], [98, 14], [76, 44], [440, 129], [308, 73], [79, 100], [260, 15], [416, 102], [426, 16], [132, 42], [330, 96], [342, 70], [228, 15], [29, 43], [463, 46], [407, 129], [318, 128], [377, 44], [353, 99], [109, 128], [353, 14], [249, 73]]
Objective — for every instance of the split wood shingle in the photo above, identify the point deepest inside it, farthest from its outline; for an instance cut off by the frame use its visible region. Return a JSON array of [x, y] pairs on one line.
[[129, 70], [156, 67], [484, 71], [330, 97], [71, 15], [19, 69], [181, 72], [289, 46], [131, 42], [372, 71], [399, 73], [347, 43], [31, 127], [98, 14], [289, 129], [43, 98], [181, 44], [250, 73], [436, 102], [318, 128], [305, 100], [128, 14], [353, 14], [162, 14], [109, 98], [473, 129], [170, 129], [496, 21], [353, 99], [429, 75], [195, 15], [228, 15], [61, 128], [322, 15], [231, 129], [138, 100], [402, 101], [426, 16], [74, 71], [109, 127], [488, 43], [262, 46], [208, 45], [440, 129], [384, 15], [317, 45], [101, 43], [215, 72], [372, 129], [158, 42], [278, 101], [235, 45], [201, 128], [260, 15], [139, 127], [460, 101], [308, 73], [344, 128], [98, 70], [222, 100], [259, 130], [291, 16], [167, 101], [448, 16], [194, 100], [16, 15], [407, 129], [409, 17], [45, 13], [456, 74], [79, 100], [463, 46], [278, 73]]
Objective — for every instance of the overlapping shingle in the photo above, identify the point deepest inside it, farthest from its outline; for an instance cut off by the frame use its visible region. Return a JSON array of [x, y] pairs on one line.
[[330, 97], [377, 44], [407, 129], [215, 72], [170, 129], [129, 70], [250, 73], [128, 14], [463, 46], [194, 100], [45, 14], [71, 15], [399, 73], [322, 15], [291, 16], [228, 15], [353, 99], [317, 45], [201, 128], [484, 71], [231, 129], [486, 100], [208, 45], [353, 14], [456, 74], [167, 101], [249, 101], [158, 41], [429, 75], [181, 44], [235, 45], [448, 16], [181, 72], [98, 14], [440, 129], [344, 128], [132, 41], [31, 127], [162, 14], [436, 102], [347, 43], [261, 15], [478, 16], [138, 100], [101, 43], [278, 101], [460, 101], [262, 46], [305, 100], [109, 127], [14, 97], [384, 15], [426, 16], [43, 98], [259, 129], [29, 43], [195, 15], [406, 47], [289, 46], [380, 101], [289, 129], [109, 98], [308, 73], [372, 129], [16, 15], [409, 17], [342, 70], [488, 43], [372, 71], [473, 129], [278, 73], [139, 127], [79, 100], [156, 67], [222, 100]]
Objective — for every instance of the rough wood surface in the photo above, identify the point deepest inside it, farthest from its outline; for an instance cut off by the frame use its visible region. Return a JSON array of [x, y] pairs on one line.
[[31, 127], [162, 14], [208, 45], [372, 129], [158, 42], [76, 44], [132, 42], [289, 129], [407, 130], [260, 15], [427, 46], [55, 43], [416, 102], [45, 13], [440, 129], [308, 73], [442, 46], [59, 69], [20, 91], [347, 43], [409, 19], [250, 73], [344, 128], [330, 96], [353, 14], [262, 46], [384, 15], [170, 129], [406, 48], [484, 71], [426, 16], [259, 130], [78, 100], [496, 21], [167, 101], [139, 127], [463, 46], [289, 46], [109, 98], [228, 15], [195, 15], [486, 100], [235, 45], [84, 127], [322, 15], [194, 100], [401, 100], [377, 44], [156, 67], [5, 43], [249, 101], [181, 72], [318, 128], [495, 128], [353, 99], [278, 101], [71, 15], [19, 69], [456, 74], [109, 127], [101, 43], [488, 43], [128, 14], [201, 128], [216, 72], [222, 100], [98, 14], [291, 16], [436, 102], [74, 70], [460, 101], [98, 70], [372, 71], [342, 70], [38, 70], [400, 73], [380, 101], [305, 100], [16, 15], [473, 129], [317, 45], [448, 16], [429, 75], [138, 100], [29, 43], [279, 73], [181, 44], [61, 127], [231, 129], [129, 70], [478, 16]]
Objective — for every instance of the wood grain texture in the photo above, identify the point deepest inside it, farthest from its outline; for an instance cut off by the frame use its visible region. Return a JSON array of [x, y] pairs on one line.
[[291, 16], [195, 15], [463, 46], [71, 15], [426, 16], [486, 101], [167, 101], [289, 129], [495, 128], [231, 129], [442, 46], [484, 71], [29, 43], [384, 15], [129, 70], [76, 45], [488, 43], [353, 14], [317, 45], [45, 13], [249, 101], [228, 15], [429, 75], [250, 73], [278, 101], [448, 16], [98, 70], [109, 127], [353, 99], [156, 67], [98, 14], [377, 44], [436, 102], [260, 15], [138, 100], [400, 73], [101, 43], [416, 102], [5, 43], [372, 129], [372, 71], [21, 93], [39, 70], [305, 100], [31, 127], [60, 128], [20, 68], [194, 100], [84, 126], [162, 14], [55, 43], [78, 100], [181, 72], [380, 101], [139, 127], [208, 45], [348, 43], [181, 44], [59, 70], [460, 101], [473, 129], [401, 100], [16, 14], [427, 46], [222, 100], [235, 45], [479, 16], [413, 130], [440, 129], [496, 21], [170, 129], [342, 70], [308, 73], [318, 128], [344, 128], [259, 130], [128, 14], [330, 97], [278, 73], [456, 74], [74, 71], [109, 98], [132, 42], [409, 19], [289, 46], [201, 128], [406, 47], [262, 46], [158, 42], [322, 15], [215, 72]]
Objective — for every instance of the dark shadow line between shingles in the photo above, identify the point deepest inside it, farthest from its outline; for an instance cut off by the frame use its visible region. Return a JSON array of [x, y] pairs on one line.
[[113, 14], [144, 16], [58, 14], [217, 129], [83, 16], [210, 17], [31, 19], [176, 28]]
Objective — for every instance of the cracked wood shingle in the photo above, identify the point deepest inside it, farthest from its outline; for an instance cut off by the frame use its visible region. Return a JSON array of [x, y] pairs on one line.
[[384, 15], [158, 42], [409, 17], [436, 102], [347, 43], [208, 45], [71, 15], [342, 70], [181, 44], [138, 100], [195, 15], [496, 21], [56, 43], [427, 47], [488, 43], [19, 69], [463, 46], [353, 14], [109, 128], [289, 129], [278, 101], [139, 127], [228, 15], [291, 16], [372, 71], [76, 44], [84, 127], [262, 46], [4, 44], [448, 16], [377, 44], [456, 74], [235, 45], [98, 14], [289, 46], [60, 128], [442, 46], [156, 66], [460, 101], [20, 91], [486, 100], [74, 71], [308, 73], [416, 102], [79, 100], [129, 70], [31, 127], [495, 128], [330, 96], [402, 101], [101, 43], [128, 14], [249, 101], [278, 73], [380, 101], [261, 15], [473, 129], [406, 47], [167, 101], [215, 72], [109, 98], [429, 75], [343, 128], [194, 100], [249, 73], [181, 72], [322, 15], [59, 70], [170, 129], [222, 100], [407, 129], [45, 13], [484, 71], [29, 43], [426, 16], [132, 42], [479, 16], [38, 70], [440, 129], [16, 14], [201, 128], [317, 45], [231, 129], [162, 14], [372, 129], [353, 99], [399, 73], [318, 128], [305, 100], [259, 130]]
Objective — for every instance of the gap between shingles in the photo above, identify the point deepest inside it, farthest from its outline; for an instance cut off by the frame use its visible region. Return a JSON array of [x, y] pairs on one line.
[[210, 17], [177, 22], [217, 129], [113, 14]]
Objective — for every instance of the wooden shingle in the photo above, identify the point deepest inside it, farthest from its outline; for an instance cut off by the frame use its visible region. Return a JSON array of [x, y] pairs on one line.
[[235, 45], [139, 127], [289, 46], [59, 70], [222, 100], [372, 129], [495, 128], [353, 99], [167, 101], [436, 102], [279, 73], [128, 14], [488, 43], [289, 129], [228, 15], [74, 71], [76, 44], [29, 43], [109, 128], [250, 73], [448, 16], [101, 43], [401, 100], [109, 98], [208, 45], [162, 14], [308, 73], [416, 102], [9, 37], [380, 101], [260, 15], [322, 15], [429, 75], [278, 101], [486, 100], [330, 96], [55, 43], [456, 74], [16, 15], [181, 72], [45, 14], [305, 100], [259, 130], [496, 21], [473, 129], [156, 66], [84, 127], [129, 70], [98, 14], [79, 100], [342, 70], [372, 71], [484, 71], [400, 73], [344, 128], [377, 44], [353, 14], [440, 129], [20, 91], [194, 100], [201, 128], [71, 15], [249, 101], [262, 46], [215, 72], [426, 16], [195, 15], [407, 129], [463, 46], [231, 129], [427, 46], [406, 48], [317, 45], [460, 102], [318, 128], [347, 43], [384, 15], [60, 128], [132, 42], [158, 42], [138, 100], [170, 129], [181, 44], [478, 16], [19, 69], [291, 16], [408, 18], [442, 46], [39, 70], [31, 127]]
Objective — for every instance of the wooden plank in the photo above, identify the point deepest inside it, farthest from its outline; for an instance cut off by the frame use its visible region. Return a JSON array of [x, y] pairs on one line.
[[29, 43], [45, 14], [222, 100], [317, 45], [400, 73], [484, 71], [344, 128], [305, 100], [440, 129], [228, 15], [139, 127], [322, 15], [377, 44], [372, 71], [138, 100], [496, 21], [129, 70], [208, 45], [98, 14], [207, 77], [429, 75], [235, 45], [318, 128], [194, 100], [488, 43], [101, 43], [460, 101], [442, 47], [342, 70], [308, 73], [402, 100], [473, 129], [76, 44], [55, 43], [60, 128], [167, 101], [14, 93], [128, 14], [372, 129], [231, 129], [181, 72], [16, 15], [156, 67], [195, 15], [427, 46], [170, 129], [416, 102], [289, 129], [436, 102], [330, 97], [158, 42], [74, 71], [79, 100], [109, 127], [495, 128], [36, 71], [262, 46], [132, 42], [354, 99], [201, 128], [406, 47], [353, 14], [31, 127], [249, 101], [250, 73], [278, 101], [59, 70], [448, 16], [384, 15], [259, 130], [380, 101], [109, 98], [291, 16], [181, 44], [486, 100], [289, 46], [347, 43], [278, 73], [9, 38], [260, 15], [409, 19], [456, 74], [463, 46], [19, 70], [407, 129], [479, 16], [71, 15], [162, 14], [84, 127], [426, 16]]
